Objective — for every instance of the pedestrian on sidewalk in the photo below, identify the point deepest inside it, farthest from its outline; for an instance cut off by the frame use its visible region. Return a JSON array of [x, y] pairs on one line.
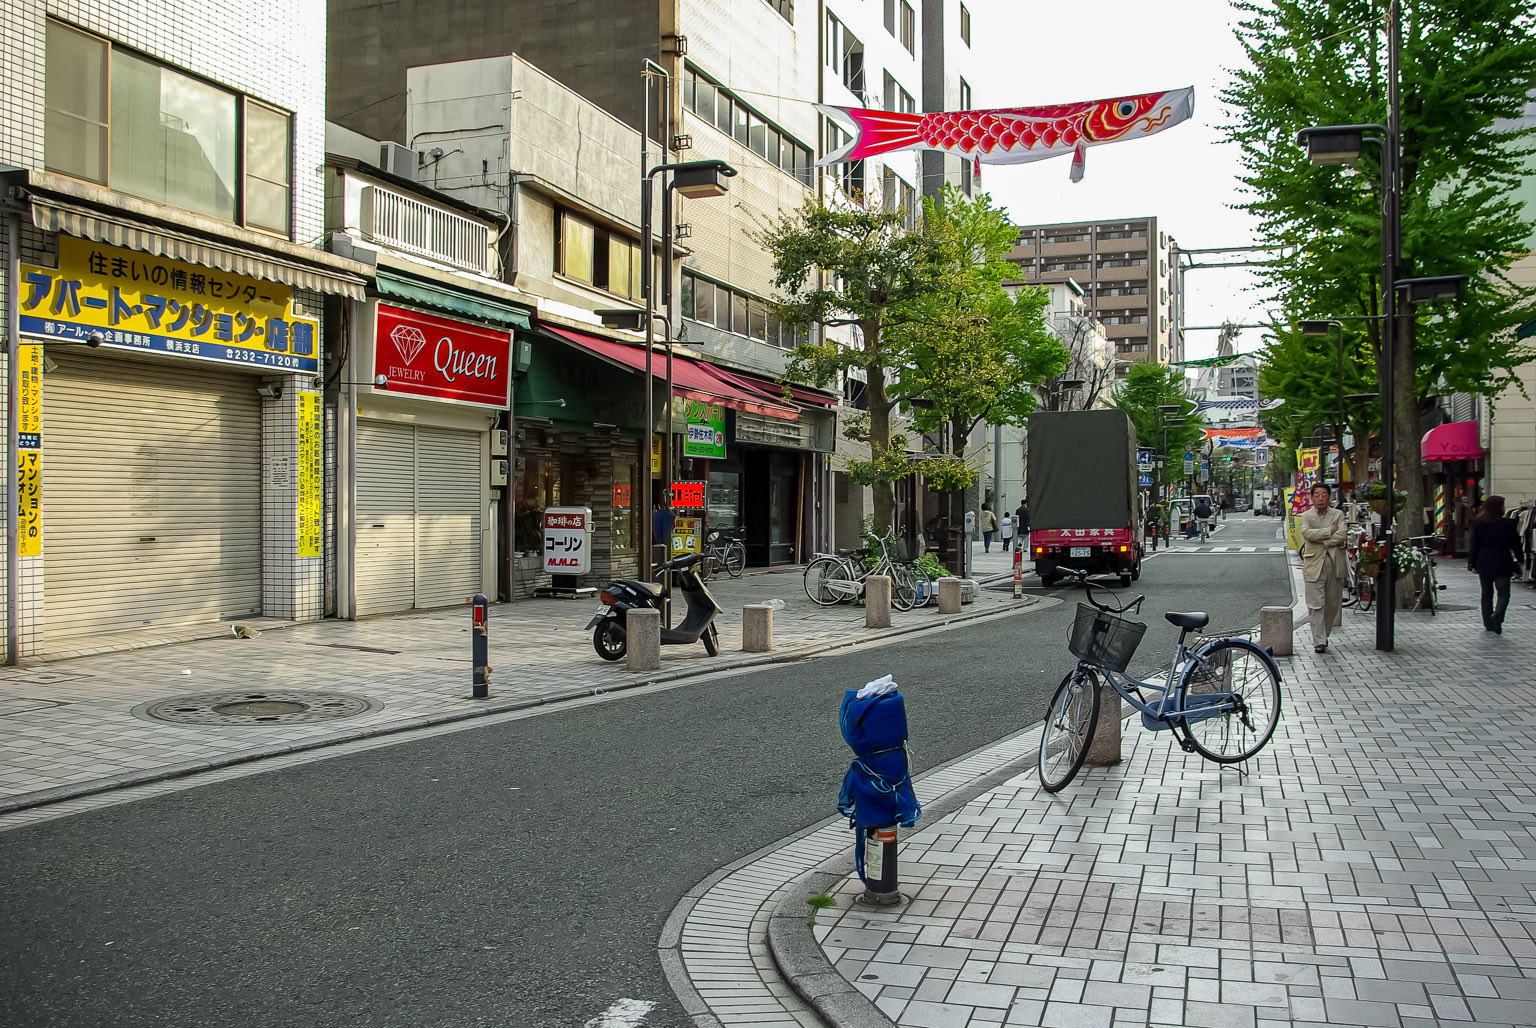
[[988, 525], [1005, 529], [1021, 518], [1324, 565], [1494, 555]]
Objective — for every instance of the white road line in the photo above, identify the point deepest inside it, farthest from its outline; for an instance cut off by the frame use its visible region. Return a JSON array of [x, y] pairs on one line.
[[626, 1013]]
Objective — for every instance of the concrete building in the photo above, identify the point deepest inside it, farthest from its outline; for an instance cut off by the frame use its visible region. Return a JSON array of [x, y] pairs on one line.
[[159, 169], [1124, 270]]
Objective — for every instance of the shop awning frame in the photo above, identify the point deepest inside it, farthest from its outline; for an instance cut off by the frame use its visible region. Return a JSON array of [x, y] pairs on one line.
[[690, 378], [1455, 440], [55, 216], [397, 286]]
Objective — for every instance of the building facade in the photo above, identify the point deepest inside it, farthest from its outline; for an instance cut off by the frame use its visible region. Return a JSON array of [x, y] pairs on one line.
[[1123, 268], [163, 302]]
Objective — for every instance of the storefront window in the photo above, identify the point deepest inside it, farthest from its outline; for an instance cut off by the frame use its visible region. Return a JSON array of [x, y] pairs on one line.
[[537, 487], [724, 502], [623, 508]]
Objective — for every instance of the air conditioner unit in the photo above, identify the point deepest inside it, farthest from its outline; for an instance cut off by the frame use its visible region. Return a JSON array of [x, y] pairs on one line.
[[398, 160]]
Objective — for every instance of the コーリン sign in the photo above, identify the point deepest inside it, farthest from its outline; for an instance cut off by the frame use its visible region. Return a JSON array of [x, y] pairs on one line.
[[425, 355]]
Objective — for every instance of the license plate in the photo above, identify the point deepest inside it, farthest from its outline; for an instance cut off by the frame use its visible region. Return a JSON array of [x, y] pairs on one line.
[[1081, 551], [599, 612]]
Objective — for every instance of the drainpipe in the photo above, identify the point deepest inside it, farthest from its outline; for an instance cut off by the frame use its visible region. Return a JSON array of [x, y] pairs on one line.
[[12, 403]]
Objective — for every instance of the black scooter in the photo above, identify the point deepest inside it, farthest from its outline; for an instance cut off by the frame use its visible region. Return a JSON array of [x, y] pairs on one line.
[[624, 594]]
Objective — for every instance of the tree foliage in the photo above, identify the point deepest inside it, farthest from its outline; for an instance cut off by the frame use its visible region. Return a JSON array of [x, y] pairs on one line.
[[1465, 66], [935, 329], [1144, 389]]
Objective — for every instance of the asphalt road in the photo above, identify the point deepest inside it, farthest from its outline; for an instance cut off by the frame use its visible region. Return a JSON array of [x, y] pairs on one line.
[[510, 875]]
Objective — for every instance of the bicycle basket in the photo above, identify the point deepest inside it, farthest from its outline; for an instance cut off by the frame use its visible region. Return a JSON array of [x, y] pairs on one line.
[[1104, 640]]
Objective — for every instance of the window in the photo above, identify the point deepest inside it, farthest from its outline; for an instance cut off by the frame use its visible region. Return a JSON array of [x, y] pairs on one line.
[[592, 254], [853, 64], [890, 16], [736, 312], [623, 508], [141, 127], [965, 95], [834, 43], [908, 27], [785, 9], [710, 101], [965, 25]]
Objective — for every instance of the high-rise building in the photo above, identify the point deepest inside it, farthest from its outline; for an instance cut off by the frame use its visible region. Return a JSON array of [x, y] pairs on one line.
[[1124, 269]]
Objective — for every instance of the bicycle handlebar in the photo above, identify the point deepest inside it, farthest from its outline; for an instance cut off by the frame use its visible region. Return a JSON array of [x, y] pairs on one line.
[[1133, 607]]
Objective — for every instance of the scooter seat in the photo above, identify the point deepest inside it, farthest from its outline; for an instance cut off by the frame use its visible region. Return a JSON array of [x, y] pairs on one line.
[[652, 588], [1190, 622]]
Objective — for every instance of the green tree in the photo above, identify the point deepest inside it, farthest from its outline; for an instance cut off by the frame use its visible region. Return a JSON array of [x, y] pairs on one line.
[[1315, 375], [853, 266], [974, 352], [1465, 65], [1144, 389]]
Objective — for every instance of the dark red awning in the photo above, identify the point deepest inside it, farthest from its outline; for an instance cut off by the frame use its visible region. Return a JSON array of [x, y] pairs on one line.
[[690, 378]]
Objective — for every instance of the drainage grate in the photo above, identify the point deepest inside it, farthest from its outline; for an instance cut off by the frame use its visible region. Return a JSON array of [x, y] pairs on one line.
[[256, 707]]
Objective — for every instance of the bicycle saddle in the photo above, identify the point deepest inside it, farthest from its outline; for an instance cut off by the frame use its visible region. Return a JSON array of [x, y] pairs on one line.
[[1192, 621]]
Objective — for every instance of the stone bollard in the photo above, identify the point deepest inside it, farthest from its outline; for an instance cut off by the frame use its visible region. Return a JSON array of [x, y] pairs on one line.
[[1275, 630], [1104, 747], [877, 602], [756, 628], [949, 596], [642, 632]]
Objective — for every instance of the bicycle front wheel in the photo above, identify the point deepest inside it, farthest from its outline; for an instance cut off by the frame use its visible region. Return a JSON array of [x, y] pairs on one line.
[[1229, 700], [735, 559], [903, 588], [1068, 729], [705, 568]]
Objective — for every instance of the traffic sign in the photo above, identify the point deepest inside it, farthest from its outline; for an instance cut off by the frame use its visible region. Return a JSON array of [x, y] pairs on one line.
[[1189, 462], [1146, 481]]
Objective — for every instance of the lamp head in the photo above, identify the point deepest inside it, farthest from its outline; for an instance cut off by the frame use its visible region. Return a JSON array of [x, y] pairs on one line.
[[1438, 287], [1070, 383], [701, 179], [1332, 144], [630, 318], [1316, 328]]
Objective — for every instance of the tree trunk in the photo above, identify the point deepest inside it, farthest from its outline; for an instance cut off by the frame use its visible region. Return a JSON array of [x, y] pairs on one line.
[[879, 440], [1405, 424]]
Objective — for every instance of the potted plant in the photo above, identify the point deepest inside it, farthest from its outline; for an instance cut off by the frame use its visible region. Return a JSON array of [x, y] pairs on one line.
[[1375, 493], [1371, 555]]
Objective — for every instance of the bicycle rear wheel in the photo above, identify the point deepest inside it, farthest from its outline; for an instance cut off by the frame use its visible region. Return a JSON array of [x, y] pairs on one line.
[[827, 581], [705, 568], [903, 588], [1229, 699], [735, 558], [1069, 724]]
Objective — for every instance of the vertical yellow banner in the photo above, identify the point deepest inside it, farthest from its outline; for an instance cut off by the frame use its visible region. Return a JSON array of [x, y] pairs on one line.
[[29, 456], [656, 454], [310, 478]]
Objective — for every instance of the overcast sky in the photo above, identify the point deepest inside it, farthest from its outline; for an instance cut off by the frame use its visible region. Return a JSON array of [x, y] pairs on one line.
[[1035, 52]]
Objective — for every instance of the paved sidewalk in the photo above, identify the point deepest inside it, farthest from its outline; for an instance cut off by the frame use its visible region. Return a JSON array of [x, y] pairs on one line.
[[76, 726], [1375, 866]]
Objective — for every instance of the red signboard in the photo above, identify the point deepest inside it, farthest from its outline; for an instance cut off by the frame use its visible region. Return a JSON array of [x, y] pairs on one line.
[[425, 355], [688, 495], [621, 494]]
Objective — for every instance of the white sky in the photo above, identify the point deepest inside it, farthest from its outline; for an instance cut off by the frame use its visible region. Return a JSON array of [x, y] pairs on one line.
[[1033, 52]]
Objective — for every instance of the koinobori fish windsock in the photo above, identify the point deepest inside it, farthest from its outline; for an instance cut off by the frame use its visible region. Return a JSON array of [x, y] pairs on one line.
[[1012, 135]]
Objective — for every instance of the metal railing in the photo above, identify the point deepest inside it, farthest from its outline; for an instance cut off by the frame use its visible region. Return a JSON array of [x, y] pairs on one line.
[[420, 228]]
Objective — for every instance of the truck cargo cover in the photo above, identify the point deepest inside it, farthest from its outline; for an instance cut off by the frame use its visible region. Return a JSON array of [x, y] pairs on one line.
[[1082, 469]]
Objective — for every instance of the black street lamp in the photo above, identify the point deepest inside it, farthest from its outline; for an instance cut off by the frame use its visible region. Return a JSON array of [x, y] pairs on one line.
[[1167, 420], [1342, 144]]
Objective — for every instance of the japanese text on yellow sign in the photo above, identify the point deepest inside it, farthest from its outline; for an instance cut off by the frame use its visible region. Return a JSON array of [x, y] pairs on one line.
[[656, 454], [687, 536], [311, 525], [29, 424], [138, 300]]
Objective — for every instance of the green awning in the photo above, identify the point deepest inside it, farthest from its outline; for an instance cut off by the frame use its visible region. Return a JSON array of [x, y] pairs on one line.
[[453, 301]]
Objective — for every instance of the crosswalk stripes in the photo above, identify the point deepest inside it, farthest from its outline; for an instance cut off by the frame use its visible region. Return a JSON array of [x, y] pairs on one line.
[[1226, 550]]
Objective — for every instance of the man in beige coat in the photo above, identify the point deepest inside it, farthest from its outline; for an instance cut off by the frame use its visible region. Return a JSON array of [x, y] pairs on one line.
[[1324, 532]]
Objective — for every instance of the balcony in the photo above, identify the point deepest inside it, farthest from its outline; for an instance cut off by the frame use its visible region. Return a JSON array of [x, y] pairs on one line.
[[402, 223]]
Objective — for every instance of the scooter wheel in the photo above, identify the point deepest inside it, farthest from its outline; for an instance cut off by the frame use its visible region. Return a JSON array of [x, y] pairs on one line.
[[712, 641], [609, 641]]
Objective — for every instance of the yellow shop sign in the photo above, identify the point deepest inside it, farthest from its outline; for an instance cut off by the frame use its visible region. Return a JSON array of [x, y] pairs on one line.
[[143, 302]]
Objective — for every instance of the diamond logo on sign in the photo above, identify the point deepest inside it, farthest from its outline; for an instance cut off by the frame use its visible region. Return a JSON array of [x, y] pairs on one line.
[[409, 341]]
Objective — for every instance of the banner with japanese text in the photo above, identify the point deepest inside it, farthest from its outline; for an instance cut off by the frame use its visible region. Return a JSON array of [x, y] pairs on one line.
[[143, 302], [29, 455], [706, 430], [311, 523]]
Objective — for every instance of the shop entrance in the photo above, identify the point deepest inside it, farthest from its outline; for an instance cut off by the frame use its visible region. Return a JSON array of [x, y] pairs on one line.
[[770, 500]]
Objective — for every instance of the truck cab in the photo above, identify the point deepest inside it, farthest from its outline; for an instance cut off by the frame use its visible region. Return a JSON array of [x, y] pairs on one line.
[[1084, 499]]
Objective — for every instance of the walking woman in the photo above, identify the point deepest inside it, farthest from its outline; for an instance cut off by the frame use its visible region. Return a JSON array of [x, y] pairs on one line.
[[1494, 554]]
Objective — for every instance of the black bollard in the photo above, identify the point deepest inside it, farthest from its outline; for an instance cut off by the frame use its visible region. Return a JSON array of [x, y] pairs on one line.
[[480, 645], [880, 868]]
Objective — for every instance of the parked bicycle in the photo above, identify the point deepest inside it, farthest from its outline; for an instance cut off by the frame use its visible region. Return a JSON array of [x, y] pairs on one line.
[[1358, 586], [725, 550], [1220, 699], [833, 578], [1428, 592]]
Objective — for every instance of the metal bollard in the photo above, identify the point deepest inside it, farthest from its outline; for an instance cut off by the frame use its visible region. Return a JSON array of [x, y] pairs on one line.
[[1018, 572], [480, 647], [880, 888]]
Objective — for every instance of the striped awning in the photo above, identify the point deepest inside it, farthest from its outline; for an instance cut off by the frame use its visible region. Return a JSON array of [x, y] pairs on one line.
[[52, 216]]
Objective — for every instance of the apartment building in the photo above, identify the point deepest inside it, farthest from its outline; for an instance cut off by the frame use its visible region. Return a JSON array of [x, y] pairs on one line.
[[1124, 270]]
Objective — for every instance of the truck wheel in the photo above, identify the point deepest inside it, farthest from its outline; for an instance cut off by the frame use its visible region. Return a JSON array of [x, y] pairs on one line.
[[1136, 571], [1125, 579]]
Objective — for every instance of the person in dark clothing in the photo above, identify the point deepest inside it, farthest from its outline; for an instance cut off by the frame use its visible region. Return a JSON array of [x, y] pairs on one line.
[[1021, 519], [1494, 555]]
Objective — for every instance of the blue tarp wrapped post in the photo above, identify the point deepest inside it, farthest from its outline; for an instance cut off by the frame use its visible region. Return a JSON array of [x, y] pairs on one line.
[[877, 790]]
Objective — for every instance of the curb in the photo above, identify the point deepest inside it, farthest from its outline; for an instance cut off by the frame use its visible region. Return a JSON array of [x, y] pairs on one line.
[[58, 794]]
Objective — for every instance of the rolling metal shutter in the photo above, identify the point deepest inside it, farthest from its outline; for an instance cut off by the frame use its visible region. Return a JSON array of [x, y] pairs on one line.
[[151, 495], [418, 516]]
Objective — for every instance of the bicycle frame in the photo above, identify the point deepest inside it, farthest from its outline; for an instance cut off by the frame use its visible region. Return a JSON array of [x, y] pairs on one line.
[[1164, 713]]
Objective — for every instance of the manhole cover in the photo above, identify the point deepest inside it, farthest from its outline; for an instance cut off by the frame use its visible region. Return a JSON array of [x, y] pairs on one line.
[[256, 707]]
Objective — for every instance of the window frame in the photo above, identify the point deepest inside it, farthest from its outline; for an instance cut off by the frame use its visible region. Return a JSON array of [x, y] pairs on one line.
[[241, 144], [965, 25], [604, 242]]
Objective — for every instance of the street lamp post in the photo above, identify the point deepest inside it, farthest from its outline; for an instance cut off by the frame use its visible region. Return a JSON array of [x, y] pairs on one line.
[[1166, 420]]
